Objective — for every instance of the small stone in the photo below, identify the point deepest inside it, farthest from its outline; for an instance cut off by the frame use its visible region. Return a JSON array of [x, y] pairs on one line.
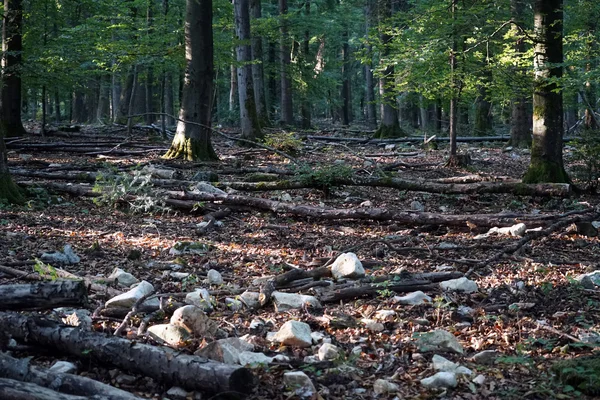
[[205, 187], [367, 203], [179, 276], [294, 333], [123, 278], [317, 337], [63, 367], [382, 386], [175, 336], [286, 197], [590, 279], [300, 383], [461, 285], [328, 351], [390, 146], [200, 298], [205, 176], [177, 393], [233, 304], [486, 357], [413, 299], [197, 248], [385, 315], [126, 380], [194, 320], [256, 324], [127, 299], [251, 358], [347, 265], [373, 325], [290, 301], [250, 299], [417, 206], [214, 277], [67, 256], [438, 340], [441, 380], [479, 380], [422, 321], [442, 364]]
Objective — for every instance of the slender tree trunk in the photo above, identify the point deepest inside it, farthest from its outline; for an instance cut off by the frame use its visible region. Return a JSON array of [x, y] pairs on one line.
[[12, 47], [454, 87], [191, 141], [44, 109], [273, 79], [57, 116], [169, 103], [125, 95], [389, 126], [249, 122], [345, 92], [546, 152], [305, 106], [590, 96], [483, 113], [369, 79], [103, 99], [233, 89], [258, 74], [130, 109], [287, 112]]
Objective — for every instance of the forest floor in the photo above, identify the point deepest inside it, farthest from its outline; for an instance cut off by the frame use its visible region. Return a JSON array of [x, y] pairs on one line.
[[251, 244]]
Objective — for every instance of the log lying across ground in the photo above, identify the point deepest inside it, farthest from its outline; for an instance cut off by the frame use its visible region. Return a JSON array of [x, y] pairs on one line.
[[43, 295], [11, 389], [22, 370], [163, 364]]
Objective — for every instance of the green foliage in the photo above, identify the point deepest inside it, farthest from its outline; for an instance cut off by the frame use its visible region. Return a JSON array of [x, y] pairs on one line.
[[585, 153], [581, 374], [46, 271], [134, 190], [284, 141], [325, 177]]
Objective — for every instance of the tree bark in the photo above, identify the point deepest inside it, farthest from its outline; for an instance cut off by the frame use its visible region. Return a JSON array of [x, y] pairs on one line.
[[287, 111], [249, 121], [162, 364], [305, 106], [11, 389], [546, 152], [8, 190], [12, 47], [453, 131], [192, 142], [258, 74], [22, 370], [43, 295]]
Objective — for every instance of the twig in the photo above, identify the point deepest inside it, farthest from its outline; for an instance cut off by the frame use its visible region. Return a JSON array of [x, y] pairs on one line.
[[131, 313]]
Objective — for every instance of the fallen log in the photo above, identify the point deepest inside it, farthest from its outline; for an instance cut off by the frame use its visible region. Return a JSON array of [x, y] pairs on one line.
[[417, 185], [11, 389], [162, 364], [43, 295], [351, 293], [22, 370]]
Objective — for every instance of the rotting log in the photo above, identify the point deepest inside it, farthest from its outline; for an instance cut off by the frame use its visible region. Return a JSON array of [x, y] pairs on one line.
[[11, 389], [21, 369], [43, 295], [279, 281], [163, 364]]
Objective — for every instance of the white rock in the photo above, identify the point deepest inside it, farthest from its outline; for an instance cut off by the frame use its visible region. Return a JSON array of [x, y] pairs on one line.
[[486, 357], [225, 350], [294, 333], [373, 325], [214, 277], [200, 298], [417, 206], [67, 256], [317, 336], [162, 173], [250, 299], [197, 248], [179, 276], [233, 304], [300, 383], [63, 367], [250, 358], [385, 315], [256, 323], [479, 379], [194, 320], [123, 278], [438, 340], [328, 351], [205, 187], [390, 146], [461, 285], [593, 276], [367, 203], [311, 359], [127, 299], [382, 386], [175, 336], [347, 265], [177, 393], [413, 299], [442, 364], [285, 197], [441, 380], [290, 301]]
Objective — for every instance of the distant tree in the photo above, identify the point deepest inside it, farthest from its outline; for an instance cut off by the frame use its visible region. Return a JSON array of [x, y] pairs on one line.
[[12, 48], [8, 189], [287, 111], [546, 153], [192, 141]]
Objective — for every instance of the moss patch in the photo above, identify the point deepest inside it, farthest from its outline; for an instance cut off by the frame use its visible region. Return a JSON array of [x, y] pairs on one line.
[[543, 171], [389, 131], [582, 374], [9, 191]]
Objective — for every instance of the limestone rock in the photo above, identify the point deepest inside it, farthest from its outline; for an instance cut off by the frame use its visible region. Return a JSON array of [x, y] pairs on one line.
[[373, 325], [442, 364], [382, 386], [175, 336], [233, 304], [328, 351], [347, 265], [594, 277], [197, 248], [127, 299], [123, 278], [177, 393], [225, 350], [250, 299], [290, 301], [486, 357], [200, 298], [194, 320], [63, 367], [205, 187], [294, 333], [441, 380], [479, 379], [438, 340], [214, 277], [205, 176], [417, 206], [250, 358], [300, 383], [413, 299], [461, 285]]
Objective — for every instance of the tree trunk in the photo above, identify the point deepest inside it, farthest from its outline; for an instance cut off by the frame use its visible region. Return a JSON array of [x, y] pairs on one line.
[[43, 295], [546, 152], [389, 126], [483, 113], [345, 91], [305, 106], [249, 122], [233, 89], [8, 190], [258, 74], [102, 110], [191, 141], [57, 116], [454, 88], [287, 112], [162, 364], [125, 96], [12, 48]]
